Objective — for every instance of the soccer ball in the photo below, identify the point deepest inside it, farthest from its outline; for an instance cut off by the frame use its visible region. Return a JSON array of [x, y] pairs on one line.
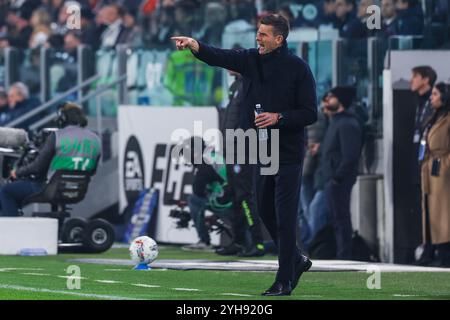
[[143, 250]]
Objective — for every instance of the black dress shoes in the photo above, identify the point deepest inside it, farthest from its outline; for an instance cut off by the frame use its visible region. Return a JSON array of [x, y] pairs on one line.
[[278, 289], [252, 252], [231, 250], [302, 266]]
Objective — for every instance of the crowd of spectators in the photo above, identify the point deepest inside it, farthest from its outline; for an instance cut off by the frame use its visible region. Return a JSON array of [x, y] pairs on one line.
[[16, 102], [28, 24]]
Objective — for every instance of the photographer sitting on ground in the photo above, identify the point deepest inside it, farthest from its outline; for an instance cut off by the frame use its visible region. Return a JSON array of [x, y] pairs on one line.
[[73, 147]]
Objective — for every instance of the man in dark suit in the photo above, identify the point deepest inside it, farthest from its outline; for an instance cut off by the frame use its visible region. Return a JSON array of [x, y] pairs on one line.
[[284, 85]]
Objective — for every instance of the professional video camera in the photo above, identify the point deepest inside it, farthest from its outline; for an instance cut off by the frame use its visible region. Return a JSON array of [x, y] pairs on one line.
[[181, 214], [213, 222], [31, 149], [17, 149]]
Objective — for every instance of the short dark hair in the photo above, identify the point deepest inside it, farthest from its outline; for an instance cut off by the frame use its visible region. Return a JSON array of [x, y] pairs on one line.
[[70, 113], [278, 22], [426, 72]]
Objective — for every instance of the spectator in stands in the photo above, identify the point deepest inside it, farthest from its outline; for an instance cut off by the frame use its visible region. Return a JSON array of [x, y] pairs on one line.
[[52, 7], [436, 177], [19, 29], [165, 26], [240, 26], [19, 101], [389, 23], [30, 73], [116, 32], [242, 10], [4, 109], [348, 24], [213, 25], [410, 17], [134, 36], [363, 16], [85, 151], [4, 42], [55, 41], [340, 157], [63, 14], [328, 16], [90, 32], [40, 21], [185, 16], [72, 40], [287, 13]]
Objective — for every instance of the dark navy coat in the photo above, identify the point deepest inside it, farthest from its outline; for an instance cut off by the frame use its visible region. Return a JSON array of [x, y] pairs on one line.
[[281, 82]]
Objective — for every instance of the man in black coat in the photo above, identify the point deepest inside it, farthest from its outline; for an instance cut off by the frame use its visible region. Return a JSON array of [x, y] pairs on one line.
[[341, 151], [284, 85]]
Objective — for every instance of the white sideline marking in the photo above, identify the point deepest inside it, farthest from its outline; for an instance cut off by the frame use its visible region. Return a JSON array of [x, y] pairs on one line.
[[185, 289], [72, 277], [71, 293], [405, 295], [107, 281], [36, 274], [236, 294], [14, 269], [145, 285], [115, 270]]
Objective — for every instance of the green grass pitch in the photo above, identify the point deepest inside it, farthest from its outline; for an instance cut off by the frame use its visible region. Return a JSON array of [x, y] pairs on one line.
[[45, 278]]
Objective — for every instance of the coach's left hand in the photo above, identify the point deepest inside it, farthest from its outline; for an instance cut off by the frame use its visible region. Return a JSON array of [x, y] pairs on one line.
[[266, 119]]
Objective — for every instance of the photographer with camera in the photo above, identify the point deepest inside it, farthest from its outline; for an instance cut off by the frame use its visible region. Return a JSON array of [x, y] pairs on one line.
[[72, 147], [209, 188]]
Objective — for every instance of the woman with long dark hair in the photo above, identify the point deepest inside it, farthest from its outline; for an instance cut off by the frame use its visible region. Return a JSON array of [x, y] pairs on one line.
[[435, 157]]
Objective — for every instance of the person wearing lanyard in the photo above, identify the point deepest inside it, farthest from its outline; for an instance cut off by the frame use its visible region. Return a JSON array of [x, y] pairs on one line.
[[422, 81], [435, 158]]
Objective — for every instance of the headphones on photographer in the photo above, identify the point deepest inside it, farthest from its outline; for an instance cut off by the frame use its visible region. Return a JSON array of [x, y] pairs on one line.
[[62, 116]]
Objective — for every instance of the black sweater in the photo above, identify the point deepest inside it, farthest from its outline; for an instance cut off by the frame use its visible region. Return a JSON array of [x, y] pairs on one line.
[[281, 82]]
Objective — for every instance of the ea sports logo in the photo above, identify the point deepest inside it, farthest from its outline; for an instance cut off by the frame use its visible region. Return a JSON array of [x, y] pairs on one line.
[[133, 170]]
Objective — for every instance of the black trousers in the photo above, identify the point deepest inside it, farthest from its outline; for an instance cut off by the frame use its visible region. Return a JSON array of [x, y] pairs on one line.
[[277, 198], [338, 199], [246, 217]]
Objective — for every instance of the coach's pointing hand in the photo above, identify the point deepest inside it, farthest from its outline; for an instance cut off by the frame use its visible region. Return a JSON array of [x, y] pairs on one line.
[[185, 42]]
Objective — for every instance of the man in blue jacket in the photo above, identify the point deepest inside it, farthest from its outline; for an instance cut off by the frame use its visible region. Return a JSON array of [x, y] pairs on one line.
[[284, 85], [341, 151]]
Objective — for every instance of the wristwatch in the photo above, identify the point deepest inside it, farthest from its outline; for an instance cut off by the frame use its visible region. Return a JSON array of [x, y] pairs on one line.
[[280, 120]]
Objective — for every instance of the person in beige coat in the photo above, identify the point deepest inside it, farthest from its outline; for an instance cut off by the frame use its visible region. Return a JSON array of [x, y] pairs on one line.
[[435, 151]]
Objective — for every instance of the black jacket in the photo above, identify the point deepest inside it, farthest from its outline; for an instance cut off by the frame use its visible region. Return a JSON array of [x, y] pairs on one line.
[[233, 110], [410, 21], [341, 148], [281, 82], [203, 176]]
